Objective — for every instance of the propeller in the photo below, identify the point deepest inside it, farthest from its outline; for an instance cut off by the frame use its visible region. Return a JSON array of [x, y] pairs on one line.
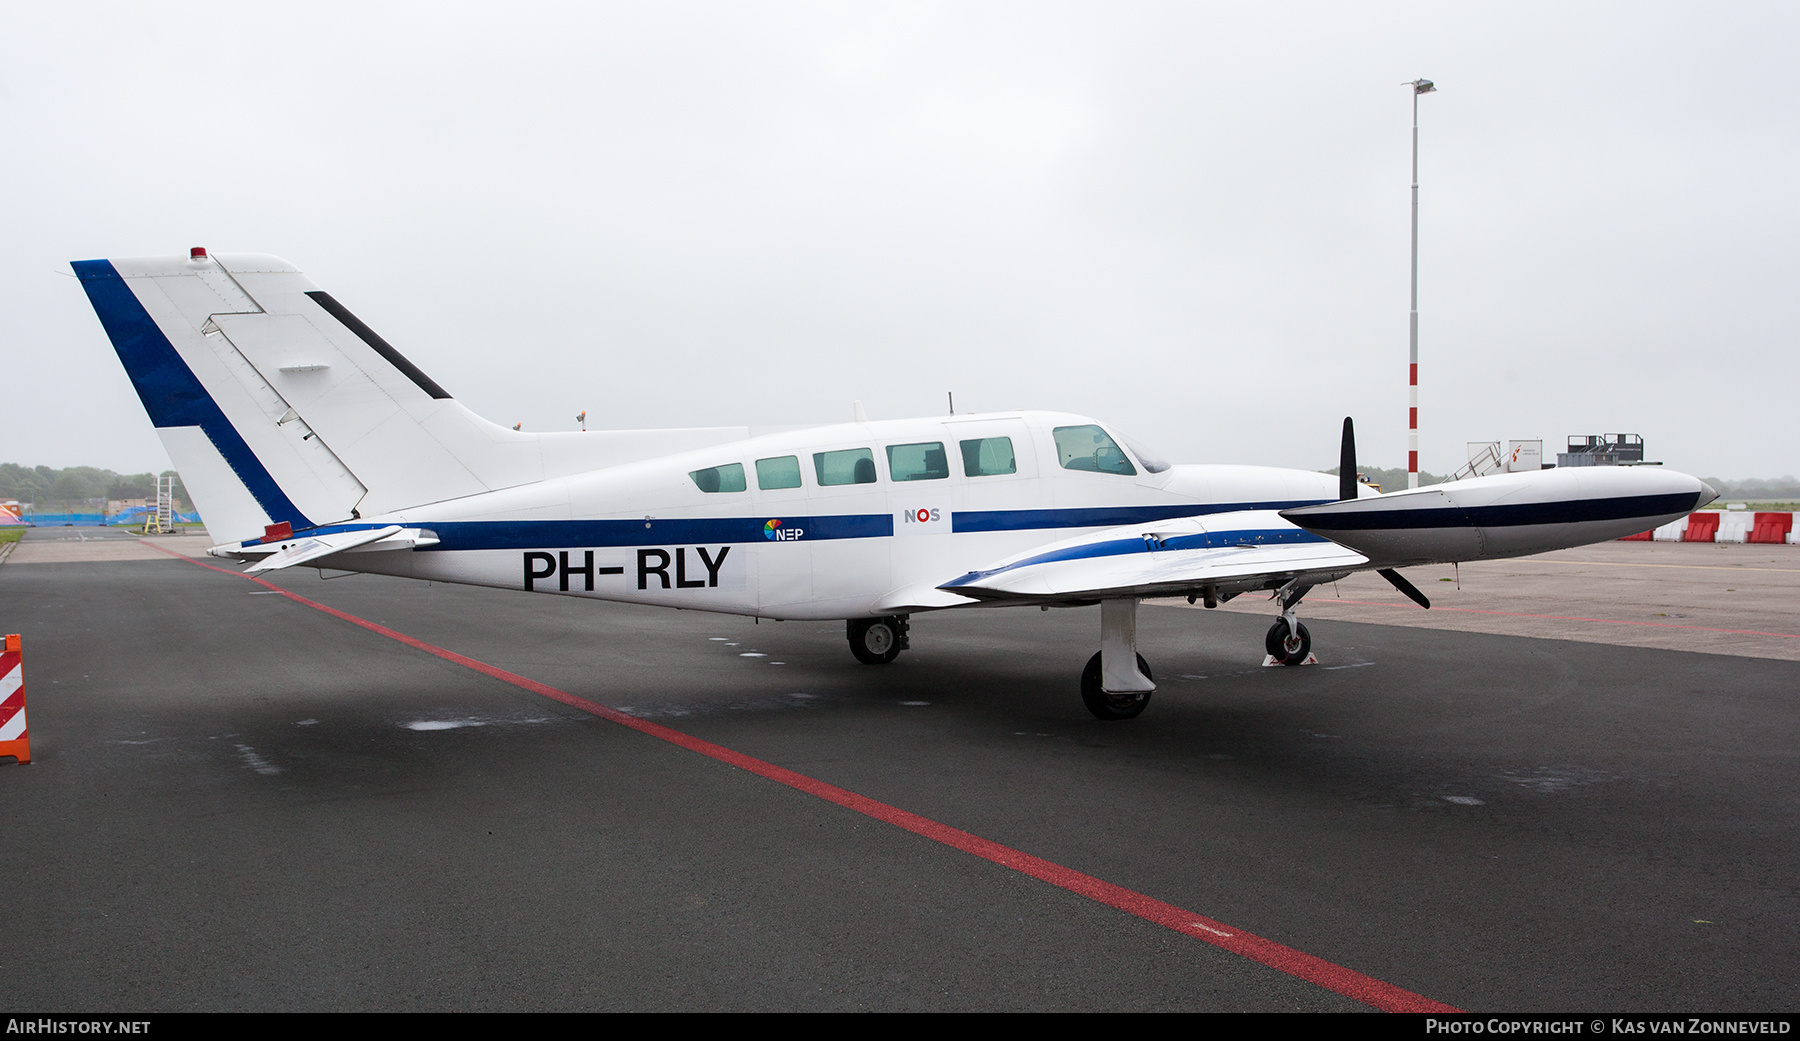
[[1347, 463], [1398, 581], [1347, 489]]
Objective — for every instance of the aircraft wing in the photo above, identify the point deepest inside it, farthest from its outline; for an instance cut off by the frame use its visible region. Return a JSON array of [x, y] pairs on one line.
[[1231, 552]]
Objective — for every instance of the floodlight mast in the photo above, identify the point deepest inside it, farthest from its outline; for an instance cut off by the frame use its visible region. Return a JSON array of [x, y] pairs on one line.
[[1419, 86]]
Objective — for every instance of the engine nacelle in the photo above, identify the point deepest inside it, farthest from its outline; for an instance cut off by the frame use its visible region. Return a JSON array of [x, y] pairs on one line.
[[1506, 515]]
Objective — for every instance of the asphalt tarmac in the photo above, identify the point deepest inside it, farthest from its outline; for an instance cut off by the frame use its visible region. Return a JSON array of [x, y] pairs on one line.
[[238, 801]]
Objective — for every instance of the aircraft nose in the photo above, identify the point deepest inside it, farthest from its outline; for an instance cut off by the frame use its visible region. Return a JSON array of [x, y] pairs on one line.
[[1707, 494]]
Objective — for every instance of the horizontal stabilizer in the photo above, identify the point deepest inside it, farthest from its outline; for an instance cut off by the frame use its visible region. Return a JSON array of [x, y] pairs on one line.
[[310, 548]]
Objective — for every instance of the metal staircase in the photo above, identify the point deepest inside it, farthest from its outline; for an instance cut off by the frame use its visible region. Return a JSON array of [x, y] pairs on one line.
[[162, 521]]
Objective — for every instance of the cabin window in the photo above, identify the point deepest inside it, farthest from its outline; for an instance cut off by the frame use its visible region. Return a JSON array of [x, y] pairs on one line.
[[727, 478], [846, 466], [1089, 448], [920, 462], [783, 471], [988, 457]]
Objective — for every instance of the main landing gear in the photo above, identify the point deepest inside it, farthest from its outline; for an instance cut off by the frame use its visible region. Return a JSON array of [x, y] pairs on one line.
[[1116, 683], [1106, 704], [877, 641]]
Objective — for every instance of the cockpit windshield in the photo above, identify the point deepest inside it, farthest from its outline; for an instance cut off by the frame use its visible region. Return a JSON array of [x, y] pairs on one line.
[[1089, 448], [1150, 459]]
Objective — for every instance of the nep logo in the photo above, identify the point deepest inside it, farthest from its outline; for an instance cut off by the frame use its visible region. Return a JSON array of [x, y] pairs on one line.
[[774, 532]]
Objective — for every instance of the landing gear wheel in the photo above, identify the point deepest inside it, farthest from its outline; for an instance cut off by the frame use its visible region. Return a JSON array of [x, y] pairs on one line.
[[1286, 649], [876, 641], [1112, 706]]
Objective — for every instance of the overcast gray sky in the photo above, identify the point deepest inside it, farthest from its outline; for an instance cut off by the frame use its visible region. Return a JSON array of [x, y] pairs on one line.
[[1187, 219]]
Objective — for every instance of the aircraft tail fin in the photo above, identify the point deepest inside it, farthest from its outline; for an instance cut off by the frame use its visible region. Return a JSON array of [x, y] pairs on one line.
[[279, 406]]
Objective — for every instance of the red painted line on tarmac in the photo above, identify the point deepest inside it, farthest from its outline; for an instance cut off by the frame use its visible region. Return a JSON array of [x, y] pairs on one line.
[[1299, 964], [1566, 618]]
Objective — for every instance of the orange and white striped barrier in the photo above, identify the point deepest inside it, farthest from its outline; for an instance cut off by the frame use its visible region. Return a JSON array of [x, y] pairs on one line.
[[15, 740]]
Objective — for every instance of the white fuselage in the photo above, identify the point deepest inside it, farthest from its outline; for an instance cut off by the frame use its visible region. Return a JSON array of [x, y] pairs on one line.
[[645, 532]]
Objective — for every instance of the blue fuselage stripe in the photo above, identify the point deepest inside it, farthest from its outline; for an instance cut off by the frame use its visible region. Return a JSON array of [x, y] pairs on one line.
[[470, 535], [594, 534], [171, 393]]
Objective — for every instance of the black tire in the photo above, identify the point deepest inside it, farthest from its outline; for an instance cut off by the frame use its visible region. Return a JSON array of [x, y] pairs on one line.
[[874, 641], [1276, 643], [1112, 706]]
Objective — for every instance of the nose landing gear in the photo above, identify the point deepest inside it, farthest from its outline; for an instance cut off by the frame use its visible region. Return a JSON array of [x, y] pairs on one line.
[[1285, 646]]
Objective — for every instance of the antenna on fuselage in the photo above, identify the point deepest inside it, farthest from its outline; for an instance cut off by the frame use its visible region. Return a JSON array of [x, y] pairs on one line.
[[952, 395], [857, 413]]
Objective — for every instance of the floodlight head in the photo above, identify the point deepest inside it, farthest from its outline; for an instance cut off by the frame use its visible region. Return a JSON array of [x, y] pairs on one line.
[[1423, 86]]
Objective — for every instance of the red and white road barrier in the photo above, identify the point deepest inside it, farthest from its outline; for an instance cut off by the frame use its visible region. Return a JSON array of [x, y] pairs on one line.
[[15, 739], [1753, 526]]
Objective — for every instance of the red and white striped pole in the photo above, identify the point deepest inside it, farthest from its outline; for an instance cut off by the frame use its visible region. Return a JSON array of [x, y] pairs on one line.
[[1412, 372]]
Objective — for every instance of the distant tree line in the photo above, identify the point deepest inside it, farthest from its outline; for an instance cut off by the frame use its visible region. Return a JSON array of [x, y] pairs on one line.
[[1393, 480], [1784, 489], [45, 485]]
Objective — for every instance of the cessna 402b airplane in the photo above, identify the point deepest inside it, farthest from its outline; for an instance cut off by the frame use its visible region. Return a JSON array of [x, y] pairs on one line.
[[305, 438]]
